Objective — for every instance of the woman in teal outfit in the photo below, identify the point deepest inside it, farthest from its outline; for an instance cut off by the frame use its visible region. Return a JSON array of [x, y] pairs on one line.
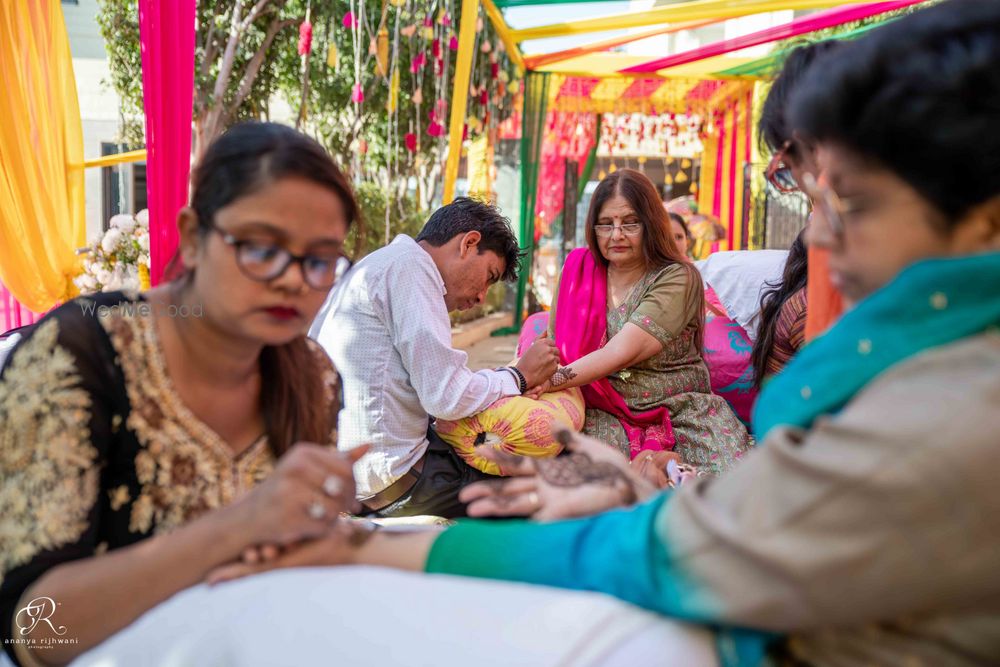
[[865, 527]]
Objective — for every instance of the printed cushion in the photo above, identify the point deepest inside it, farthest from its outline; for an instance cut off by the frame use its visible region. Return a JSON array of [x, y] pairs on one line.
[[515, 424], [727, 351]]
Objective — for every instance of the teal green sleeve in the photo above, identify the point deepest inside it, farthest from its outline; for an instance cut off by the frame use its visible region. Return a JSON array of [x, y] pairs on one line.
[[616, 553], [619, 553]]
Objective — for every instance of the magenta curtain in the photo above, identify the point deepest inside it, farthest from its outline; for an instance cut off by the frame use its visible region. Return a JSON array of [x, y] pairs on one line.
[[166, 37], [12, 313]]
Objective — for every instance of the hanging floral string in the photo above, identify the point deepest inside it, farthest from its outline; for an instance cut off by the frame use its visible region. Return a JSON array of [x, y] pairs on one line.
[[392, 122], [305, 50]]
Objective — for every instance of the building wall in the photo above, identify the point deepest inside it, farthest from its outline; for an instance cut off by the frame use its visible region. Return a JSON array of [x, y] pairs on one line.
[[99, 104]]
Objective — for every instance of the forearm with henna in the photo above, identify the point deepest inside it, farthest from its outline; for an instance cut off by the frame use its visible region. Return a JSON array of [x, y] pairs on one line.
[[562, 375], [629, 346]]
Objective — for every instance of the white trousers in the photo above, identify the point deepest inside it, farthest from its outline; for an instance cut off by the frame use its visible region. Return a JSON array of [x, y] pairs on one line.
[[368, 617]]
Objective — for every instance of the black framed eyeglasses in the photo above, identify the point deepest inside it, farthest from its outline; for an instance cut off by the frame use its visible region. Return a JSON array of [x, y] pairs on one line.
[[264, 262], [778, 173], [833, 208], [628, 229]]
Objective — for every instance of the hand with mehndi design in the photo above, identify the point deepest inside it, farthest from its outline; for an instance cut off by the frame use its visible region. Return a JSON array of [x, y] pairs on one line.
[[589, 478], [563, 375]]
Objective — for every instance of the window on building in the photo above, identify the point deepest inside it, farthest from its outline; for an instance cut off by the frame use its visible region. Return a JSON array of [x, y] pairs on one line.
[[123, 186]]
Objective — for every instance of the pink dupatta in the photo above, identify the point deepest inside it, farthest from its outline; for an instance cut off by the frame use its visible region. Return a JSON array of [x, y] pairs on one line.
[[580, 328]]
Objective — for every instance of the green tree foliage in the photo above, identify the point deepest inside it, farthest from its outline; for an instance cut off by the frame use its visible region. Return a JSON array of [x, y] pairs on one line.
[[370, 234], [248, 66]]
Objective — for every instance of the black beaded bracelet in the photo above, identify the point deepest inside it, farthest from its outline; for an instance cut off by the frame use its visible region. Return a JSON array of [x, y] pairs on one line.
[[522, 383]]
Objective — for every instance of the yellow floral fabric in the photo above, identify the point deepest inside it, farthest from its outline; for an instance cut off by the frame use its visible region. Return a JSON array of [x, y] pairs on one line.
[[515, 424]]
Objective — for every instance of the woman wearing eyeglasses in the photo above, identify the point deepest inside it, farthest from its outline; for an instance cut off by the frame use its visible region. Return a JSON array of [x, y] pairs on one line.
[[147, 438], [629, 321], [789, 161]]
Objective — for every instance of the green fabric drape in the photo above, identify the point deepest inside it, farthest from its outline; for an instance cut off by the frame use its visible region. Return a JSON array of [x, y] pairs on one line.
[[536, 96]]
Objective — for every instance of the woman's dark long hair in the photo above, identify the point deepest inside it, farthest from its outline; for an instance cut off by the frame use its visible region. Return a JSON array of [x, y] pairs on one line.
[[245, 159], [658, 247], [793, 279]]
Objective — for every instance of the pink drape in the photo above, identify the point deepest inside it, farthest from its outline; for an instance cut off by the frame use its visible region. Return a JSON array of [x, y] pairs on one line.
[[581, 328], [12, 313], [166, 37], [734, 172]]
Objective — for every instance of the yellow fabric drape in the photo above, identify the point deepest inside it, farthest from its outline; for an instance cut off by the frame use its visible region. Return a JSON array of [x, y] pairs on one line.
[[42, 219], [725, 171], [460, 94], [479, 160], [739, 214], [706, 183]]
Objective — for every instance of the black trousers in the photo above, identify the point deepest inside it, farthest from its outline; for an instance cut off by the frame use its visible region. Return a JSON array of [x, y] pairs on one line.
[[436, 492]]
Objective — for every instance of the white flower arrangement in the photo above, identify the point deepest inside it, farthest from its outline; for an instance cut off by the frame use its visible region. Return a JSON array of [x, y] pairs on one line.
[[119, 258]]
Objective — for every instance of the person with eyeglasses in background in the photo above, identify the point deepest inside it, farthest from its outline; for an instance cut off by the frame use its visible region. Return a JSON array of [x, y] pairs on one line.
[[629, 323], [789, 161], [147, 438]]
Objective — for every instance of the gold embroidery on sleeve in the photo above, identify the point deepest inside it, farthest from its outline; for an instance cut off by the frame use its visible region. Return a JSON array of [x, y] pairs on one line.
[[48, 477], [119, 497]]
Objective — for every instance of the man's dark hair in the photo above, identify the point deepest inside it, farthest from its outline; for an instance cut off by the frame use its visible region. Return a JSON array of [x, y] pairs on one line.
[[919, 96], [466, 215], [773, 127]]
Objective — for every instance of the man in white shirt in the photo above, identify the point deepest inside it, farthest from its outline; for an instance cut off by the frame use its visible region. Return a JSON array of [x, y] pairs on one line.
[[386, 327]]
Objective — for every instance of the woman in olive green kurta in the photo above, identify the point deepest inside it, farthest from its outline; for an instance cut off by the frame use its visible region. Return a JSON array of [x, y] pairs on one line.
[[628, 322], [707, 433]]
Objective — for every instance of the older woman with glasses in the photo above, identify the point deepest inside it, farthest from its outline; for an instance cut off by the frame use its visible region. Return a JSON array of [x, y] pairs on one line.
[[147, 438], [629, 322]]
